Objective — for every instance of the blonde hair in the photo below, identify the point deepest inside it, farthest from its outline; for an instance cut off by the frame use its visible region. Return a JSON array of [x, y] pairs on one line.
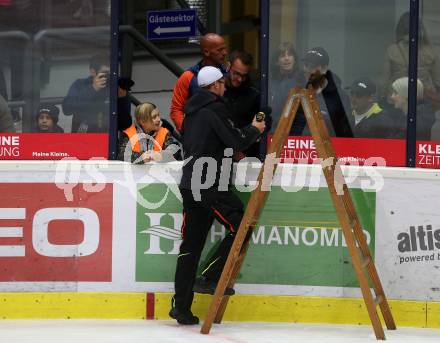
[[146, 112], [400, 86]]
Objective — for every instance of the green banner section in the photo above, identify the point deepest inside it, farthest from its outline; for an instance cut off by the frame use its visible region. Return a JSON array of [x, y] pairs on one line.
[[298, 240]]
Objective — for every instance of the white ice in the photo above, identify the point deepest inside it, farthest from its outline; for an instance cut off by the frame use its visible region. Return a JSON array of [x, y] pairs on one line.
[[152, 331]]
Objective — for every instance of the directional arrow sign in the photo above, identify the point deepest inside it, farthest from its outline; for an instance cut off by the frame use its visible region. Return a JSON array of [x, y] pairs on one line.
[[171, 24], [160, 30]]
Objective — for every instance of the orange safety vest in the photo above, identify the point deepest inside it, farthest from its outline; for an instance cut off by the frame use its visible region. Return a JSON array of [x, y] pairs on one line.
[[134, 140]]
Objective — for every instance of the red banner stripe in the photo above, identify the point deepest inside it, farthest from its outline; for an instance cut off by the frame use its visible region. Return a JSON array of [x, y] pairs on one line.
[[150, 306]]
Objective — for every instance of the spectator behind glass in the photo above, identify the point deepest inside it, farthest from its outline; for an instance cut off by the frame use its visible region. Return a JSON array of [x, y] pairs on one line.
[[86, 98], [147, 140], [285, 75], [124, 103], [243, 98], [425, 111], [214, 52], [333, 101], [369, 120], [47, 119], [428, 69], [6, 122]]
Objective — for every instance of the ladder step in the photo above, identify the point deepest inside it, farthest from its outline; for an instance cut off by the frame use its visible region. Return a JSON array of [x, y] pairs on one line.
[[378, 299]]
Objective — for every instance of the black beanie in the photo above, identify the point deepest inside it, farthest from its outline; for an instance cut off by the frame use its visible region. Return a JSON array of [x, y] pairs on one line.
[[51, 110]]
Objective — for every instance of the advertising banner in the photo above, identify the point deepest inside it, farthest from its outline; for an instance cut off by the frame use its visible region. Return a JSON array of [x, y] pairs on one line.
[[297, 241], [408, 239], [53, 146], [115, 227], [46, 237], [363, 151], [428, 155]]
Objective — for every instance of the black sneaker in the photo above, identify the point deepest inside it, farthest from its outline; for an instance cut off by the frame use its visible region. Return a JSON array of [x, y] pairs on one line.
[[206, 286], [184, 318]]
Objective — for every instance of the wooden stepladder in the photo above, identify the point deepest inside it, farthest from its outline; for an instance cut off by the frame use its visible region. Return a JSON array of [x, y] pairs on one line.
[[356, 243]]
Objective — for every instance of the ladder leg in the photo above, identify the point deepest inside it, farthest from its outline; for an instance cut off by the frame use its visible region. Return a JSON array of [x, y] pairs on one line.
[[371, 268], [346, 221], [356, 243], [371, 306], [235, 272], [226, 275]]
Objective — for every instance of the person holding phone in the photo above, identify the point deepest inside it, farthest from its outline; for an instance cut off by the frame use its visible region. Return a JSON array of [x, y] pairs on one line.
[[86, 100]]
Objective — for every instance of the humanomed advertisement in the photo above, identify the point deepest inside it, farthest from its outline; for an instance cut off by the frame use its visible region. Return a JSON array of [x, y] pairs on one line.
[[297, 241]]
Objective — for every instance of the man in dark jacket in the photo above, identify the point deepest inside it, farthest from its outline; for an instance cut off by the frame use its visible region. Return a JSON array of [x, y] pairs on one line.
[[243, 98], [334, 102], [369, 120], [209, 137], [86, 98]]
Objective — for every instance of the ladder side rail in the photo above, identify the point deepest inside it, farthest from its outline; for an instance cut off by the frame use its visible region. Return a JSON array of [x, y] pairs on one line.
[[359, 235], [324, 149], [221, 311], [371, 267], [358, 232]]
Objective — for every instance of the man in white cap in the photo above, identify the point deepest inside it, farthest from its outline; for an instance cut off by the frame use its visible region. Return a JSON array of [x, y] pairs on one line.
[[209, 139]]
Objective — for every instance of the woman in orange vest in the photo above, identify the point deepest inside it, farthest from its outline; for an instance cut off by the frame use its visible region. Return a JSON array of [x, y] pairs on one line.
[[146, 140]]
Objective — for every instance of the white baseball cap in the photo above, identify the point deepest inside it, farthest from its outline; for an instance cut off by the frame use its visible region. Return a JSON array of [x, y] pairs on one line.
[[208, 75]]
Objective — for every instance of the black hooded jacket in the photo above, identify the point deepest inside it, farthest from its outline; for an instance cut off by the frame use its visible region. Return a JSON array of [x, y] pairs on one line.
[[335, 105], [207, 132], [244, 103]]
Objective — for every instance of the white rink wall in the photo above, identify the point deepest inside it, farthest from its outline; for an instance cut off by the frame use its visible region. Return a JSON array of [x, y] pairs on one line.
[[102, 195]]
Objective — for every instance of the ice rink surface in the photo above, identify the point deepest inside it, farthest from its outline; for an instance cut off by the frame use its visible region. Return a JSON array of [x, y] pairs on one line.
[[143, 331]]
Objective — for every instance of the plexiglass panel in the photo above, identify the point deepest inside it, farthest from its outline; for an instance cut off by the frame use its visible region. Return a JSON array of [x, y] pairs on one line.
[[54, 71], [347, 51]]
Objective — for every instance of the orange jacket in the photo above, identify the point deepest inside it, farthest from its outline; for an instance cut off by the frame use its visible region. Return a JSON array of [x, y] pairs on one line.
[[185, 86], [134, 140], [180, 96]]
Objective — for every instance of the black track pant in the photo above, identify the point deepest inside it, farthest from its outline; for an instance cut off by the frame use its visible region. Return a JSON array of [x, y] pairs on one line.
[[198, 217]]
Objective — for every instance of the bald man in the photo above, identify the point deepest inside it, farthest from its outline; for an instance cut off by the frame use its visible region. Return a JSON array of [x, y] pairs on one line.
[[213, 50]]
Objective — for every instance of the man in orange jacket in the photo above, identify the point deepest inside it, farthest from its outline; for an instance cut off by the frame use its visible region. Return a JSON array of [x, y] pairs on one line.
[[213, 49]]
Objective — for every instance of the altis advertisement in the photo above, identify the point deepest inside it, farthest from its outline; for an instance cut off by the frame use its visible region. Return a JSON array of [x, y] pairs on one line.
[[408, 246]]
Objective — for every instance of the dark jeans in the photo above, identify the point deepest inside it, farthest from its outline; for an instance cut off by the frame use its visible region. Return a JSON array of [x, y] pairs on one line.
[[198, 217]]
